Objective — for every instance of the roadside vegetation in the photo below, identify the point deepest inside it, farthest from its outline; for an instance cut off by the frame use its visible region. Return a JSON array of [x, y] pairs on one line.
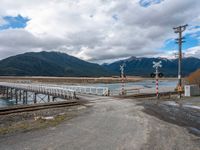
[[194, 78]]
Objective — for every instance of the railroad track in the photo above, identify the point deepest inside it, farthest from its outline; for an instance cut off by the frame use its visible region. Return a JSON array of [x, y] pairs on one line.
[[29, 108], [147, 95]]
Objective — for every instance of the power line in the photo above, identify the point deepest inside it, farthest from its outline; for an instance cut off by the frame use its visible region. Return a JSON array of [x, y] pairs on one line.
[[180, 40]]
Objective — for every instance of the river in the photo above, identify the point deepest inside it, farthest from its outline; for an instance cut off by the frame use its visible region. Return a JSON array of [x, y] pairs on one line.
[[145, 85]]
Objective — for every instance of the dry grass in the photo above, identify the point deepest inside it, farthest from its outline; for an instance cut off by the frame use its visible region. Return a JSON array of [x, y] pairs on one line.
[[28, 125], [74, 80]]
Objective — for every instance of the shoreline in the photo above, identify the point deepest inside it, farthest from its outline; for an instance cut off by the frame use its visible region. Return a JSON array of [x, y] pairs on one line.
[[74, 80]]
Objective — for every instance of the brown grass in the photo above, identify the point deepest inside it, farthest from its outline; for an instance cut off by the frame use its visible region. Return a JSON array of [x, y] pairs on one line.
[[194, 78], [28, 125], [74, 80]]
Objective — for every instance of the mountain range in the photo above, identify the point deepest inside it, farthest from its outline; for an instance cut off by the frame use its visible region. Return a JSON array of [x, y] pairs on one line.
[[49, 64], [61, 64], [143, 66]]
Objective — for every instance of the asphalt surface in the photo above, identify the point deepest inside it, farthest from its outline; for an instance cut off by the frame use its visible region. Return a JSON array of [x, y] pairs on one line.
[[109, 124]]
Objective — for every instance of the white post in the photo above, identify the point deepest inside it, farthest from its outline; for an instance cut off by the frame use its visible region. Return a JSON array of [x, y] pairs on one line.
[[156, 65]]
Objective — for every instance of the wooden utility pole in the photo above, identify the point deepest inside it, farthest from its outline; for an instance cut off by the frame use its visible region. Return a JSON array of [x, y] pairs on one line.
[[180, 30]]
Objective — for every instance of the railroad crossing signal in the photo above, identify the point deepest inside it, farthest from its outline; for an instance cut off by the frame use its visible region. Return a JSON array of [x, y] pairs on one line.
[[157, 65], [122, 69], [122, 78]]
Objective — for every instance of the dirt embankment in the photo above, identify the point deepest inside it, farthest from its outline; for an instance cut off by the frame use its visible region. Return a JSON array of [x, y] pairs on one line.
[[22, 122]]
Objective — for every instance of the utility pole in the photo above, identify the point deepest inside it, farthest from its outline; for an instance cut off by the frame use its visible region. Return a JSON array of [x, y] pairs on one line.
[[179, 41], [122, 77], [156, 65]]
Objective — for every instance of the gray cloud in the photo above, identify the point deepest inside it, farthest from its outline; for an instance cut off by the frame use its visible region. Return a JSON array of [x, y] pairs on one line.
[[15, 41], [88, 30]]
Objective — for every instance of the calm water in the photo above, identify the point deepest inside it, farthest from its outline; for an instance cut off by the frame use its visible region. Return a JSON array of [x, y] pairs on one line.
[[4, 103], [11, 102], [115, 86], [140, 84]]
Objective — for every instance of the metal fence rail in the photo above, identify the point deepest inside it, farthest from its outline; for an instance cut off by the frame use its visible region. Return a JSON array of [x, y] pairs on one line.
[[101, 91]]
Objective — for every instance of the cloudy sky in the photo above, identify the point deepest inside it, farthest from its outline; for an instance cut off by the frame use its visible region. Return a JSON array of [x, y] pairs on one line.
[[98, 30]]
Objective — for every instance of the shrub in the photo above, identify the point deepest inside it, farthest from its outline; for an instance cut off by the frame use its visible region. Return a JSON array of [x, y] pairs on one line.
[[194, 78]]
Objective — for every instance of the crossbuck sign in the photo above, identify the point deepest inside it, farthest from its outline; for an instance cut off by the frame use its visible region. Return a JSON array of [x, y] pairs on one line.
[[157, 64]]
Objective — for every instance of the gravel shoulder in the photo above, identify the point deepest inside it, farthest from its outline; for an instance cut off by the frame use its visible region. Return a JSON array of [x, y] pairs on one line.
[[107, 124]]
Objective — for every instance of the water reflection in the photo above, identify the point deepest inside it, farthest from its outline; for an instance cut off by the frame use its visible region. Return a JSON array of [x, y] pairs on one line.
[[146, 84]]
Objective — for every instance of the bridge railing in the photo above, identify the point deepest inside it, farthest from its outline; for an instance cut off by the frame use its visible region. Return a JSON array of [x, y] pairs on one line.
[[101, 91], [43, 89], [68, 90]]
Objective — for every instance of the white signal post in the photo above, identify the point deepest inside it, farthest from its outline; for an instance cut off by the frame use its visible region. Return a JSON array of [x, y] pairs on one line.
[[122, 77], [156, 65]]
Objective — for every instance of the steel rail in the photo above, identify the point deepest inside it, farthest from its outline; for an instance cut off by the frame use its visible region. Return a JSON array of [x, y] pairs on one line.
[[29, 108]]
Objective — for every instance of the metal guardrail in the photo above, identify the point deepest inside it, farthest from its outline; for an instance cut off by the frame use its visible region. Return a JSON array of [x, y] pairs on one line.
[[101, 91], [138, 91]]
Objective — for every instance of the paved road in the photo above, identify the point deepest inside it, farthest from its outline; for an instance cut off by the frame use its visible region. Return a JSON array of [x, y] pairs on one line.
[[110, 124]]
